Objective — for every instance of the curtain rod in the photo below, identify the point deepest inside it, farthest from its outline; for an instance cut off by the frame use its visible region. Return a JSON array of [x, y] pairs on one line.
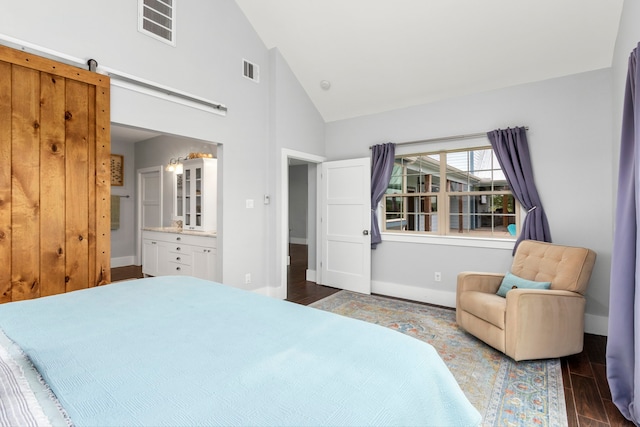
[[447, 138]]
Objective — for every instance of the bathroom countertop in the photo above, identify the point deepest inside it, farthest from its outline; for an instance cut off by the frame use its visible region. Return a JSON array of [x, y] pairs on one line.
[[181, 231]]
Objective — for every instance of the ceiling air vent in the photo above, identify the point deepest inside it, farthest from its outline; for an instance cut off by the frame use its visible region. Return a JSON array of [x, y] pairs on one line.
[[250, 71], [156, 18]]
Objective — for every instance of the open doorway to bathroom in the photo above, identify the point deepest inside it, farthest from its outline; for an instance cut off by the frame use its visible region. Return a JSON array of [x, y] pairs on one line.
[[140, 150], [300, 231], [301, 241]]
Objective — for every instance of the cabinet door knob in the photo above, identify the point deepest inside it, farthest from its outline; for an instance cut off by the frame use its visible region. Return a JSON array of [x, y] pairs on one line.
[[178, 248], [178, 238], [177, 258], [178, 268]]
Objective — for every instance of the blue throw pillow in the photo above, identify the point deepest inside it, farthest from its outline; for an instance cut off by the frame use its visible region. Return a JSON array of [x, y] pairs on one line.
[[512, 282]]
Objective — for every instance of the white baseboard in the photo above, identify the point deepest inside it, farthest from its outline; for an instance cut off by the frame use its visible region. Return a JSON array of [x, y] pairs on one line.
[[298, 240], [123, 261], [431, 296], [262, 291], [311, 276], [597, 325]]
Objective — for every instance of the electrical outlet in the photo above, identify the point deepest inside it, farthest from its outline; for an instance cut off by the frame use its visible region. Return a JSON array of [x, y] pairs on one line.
[[437, 276], [247, 279]]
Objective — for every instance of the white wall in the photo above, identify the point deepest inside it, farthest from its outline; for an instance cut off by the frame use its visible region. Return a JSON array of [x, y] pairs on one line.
[[570, 144], [294, 125]]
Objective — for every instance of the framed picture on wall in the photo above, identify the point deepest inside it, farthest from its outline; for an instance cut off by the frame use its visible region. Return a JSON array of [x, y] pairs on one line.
[[117, 170]]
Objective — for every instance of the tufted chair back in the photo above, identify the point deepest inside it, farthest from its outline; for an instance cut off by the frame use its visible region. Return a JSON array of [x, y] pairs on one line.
[[567, 268]]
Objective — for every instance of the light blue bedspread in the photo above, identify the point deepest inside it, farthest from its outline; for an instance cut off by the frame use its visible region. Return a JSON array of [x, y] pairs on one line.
[[178, 351]]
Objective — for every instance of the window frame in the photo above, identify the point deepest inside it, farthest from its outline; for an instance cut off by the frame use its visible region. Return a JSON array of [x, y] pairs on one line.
[[443, 234]]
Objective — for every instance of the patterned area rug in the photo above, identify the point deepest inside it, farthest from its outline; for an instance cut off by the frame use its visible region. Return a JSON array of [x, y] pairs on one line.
[[505, 392]]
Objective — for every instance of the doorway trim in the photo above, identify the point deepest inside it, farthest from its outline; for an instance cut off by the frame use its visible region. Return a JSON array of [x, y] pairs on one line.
[[139, 173], [287, 154]]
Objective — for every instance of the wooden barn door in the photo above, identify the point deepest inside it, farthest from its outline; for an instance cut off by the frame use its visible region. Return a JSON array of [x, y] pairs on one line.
[[54, 177]]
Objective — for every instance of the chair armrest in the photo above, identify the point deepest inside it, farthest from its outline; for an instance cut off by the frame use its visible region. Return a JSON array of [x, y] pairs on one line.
[[474, 281], [544, 323], [540, 303], [541, 295], [480, 282]]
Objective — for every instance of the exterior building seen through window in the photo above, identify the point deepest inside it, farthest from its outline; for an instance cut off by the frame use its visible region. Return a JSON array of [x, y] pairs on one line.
[[451, 193]]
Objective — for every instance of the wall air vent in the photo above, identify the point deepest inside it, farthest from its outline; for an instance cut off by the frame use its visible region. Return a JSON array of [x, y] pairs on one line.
[[250, 71], [156, 18]]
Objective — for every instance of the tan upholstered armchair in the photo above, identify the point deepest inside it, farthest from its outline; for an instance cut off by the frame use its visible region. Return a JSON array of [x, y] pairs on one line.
[[530, 323]]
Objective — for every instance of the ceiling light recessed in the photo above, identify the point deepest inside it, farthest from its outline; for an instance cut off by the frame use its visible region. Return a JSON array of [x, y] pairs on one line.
[[325, 84]]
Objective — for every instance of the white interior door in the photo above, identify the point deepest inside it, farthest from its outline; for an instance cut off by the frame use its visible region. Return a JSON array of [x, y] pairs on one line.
[[149, 201], [345, 224]]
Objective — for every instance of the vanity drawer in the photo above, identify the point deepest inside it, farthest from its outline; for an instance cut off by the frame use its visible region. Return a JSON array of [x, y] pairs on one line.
[[179, 269], [194, 240], [180, 258], [179, 248]]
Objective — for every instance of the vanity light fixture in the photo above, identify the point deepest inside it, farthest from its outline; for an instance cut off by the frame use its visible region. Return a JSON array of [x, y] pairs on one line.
[[175, 165], [171, 166]]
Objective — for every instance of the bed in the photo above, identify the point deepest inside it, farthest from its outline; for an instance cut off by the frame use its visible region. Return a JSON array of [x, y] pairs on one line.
[[181, 351]]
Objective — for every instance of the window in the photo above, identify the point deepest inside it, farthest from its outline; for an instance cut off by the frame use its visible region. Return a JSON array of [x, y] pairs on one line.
[[452, 193]]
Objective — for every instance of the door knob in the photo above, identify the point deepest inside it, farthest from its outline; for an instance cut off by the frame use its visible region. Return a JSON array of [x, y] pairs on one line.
[[365, 232]]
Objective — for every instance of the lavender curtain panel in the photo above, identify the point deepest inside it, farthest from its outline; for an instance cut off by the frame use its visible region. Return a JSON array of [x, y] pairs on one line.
[[382, 158], [624, 325], [512, 150]]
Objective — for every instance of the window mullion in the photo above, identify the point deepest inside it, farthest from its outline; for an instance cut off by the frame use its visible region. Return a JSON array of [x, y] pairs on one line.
[[405, 215]]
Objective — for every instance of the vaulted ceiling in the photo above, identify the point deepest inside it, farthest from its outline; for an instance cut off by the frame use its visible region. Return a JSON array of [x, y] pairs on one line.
[[380, 55]]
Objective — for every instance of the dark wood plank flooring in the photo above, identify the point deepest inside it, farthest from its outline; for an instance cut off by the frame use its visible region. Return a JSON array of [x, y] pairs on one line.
[[586, 389], [126, 273], [298, 288]]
